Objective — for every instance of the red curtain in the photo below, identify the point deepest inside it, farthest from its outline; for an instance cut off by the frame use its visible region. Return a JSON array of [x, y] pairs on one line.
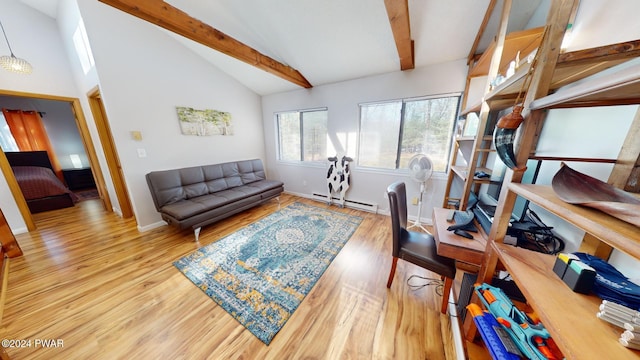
[[30, 134]]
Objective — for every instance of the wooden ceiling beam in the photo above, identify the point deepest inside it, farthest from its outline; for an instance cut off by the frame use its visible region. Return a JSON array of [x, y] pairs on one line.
[[398, 12], [487, 16], [173, 19]]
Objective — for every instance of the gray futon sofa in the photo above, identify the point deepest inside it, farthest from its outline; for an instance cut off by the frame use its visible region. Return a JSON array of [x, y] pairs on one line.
[[196, 196]]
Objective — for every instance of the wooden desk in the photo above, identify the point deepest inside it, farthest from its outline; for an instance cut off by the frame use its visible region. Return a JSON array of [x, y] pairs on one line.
[[455, 246]]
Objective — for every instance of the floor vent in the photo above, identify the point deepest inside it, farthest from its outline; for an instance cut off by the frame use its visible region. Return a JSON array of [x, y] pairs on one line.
[[348, 203]]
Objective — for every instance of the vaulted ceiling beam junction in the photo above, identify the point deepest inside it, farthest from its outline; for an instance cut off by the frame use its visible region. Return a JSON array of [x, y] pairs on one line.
[[398, 12], [173, 19]]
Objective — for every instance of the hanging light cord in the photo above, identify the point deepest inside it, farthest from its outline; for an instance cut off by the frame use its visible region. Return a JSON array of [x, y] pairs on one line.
[[6, 39]]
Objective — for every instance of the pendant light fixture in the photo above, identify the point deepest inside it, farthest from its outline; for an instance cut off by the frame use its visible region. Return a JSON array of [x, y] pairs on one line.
[[11, 62]]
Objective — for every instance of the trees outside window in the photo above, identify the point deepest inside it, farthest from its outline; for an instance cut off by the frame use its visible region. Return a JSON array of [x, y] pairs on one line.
[[392, 132], [302, 135]]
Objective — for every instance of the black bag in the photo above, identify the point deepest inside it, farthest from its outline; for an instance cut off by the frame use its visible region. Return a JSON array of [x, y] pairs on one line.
[[534, 235]]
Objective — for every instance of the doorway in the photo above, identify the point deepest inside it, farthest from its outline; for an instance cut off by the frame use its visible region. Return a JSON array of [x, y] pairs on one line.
[[87, 143], [109, 149]]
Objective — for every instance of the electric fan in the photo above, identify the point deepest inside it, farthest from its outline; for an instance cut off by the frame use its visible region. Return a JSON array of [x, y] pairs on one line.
[[420, 170]]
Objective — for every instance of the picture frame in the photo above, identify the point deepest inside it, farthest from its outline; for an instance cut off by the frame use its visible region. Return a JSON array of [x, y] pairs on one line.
[[204, 122]]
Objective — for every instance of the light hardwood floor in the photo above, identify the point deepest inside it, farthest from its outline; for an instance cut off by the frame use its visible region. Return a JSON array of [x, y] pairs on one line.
[[90, 280]]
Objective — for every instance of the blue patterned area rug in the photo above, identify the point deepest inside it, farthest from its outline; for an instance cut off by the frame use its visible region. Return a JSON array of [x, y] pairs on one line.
[[261, 273]]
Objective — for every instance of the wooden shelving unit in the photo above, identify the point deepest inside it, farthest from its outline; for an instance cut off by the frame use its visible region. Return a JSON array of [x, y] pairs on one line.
[[532, 271], [489, 64], [571, 68], [579, 331], [607, 75], [617, 233], [570, 318], [620, 86], [523, 42], [475, 161], [462, 172]]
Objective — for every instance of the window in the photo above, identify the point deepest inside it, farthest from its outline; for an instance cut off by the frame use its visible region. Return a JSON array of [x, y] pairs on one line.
[[7, 142], [392, 132], [302, 135], [83, 50]]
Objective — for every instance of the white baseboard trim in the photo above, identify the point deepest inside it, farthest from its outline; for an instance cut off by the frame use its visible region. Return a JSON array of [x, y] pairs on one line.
[[366, 207], [353, 204], [19, 231], [458, 343], [152, 226]]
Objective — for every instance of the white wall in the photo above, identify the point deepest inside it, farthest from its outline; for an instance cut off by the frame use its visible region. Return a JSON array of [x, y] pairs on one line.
[[589, 132], [596, 132], [144, 74], [602, 23], [342, 101], [34, 37]]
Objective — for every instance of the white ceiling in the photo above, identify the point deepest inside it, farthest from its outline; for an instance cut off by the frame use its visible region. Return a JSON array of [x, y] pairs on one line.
[[333, 40]]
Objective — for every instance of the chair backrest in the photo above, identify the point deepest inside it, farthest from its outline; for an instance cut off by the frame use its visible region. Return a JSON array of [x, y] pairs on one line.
[[397, 194]]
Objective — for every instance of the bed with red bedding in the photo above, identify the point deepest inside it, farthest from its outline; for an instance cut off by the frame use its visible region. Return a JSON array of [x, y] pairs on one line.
[[42, 190]]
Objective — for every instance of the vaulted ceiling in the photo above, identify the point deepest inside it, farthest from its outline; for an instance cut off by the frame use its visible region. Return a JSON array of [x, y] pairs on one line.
[[291, 44]]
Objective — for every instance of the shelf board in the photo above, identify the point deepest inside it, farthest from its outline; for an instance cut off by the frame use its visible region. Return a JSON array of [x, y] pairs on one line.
[[524, 41], [472, 138], [608, 229], [463, 172], [568, 316], [473, 108], [486, 150], [572, 68], [617, 86], [504, 95]]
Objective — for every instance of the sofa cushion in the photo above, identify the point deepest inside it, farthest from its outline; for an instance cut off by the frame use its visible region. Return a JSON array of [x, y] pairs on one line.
[[251, 171], [194, 195], [167, 187], [183, 209], [263, 185], [194, 206]]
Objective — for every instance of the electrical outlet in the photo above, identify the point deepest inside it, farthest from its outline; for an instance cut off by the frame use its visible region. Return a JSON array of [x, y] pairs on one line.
[[414, 201]]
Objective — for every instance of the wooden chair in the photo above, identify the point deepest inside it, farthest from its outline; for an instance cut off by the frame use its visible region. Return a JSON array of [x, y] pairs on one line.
[[416, 247]]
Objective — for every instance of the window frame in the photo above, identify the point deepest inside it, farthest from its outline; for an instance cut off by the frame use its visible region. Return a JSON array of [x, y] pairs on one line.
[[403, 102], [301, 113]]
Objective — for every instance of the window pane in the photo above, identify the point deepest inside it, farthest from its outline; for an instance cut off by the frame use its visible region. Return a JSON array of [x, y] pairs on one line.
[[314, 130], [7, 142], [289, 136], [379, 133], [302, 135], [427, 129]]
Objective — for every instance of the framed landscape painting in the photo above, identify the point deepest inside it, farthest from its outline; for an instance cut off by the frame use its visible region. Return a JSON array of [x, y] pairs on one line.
[[204, 122]]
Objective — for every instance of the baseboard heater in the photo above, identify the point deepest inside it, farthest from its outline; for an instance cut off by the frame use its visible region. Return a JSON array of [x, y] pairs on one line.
[[348, 203]]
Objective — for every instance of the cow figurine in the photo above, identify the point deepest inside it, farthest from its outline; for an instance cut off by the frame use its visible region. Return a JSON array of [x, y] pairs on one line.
[[338, 177]]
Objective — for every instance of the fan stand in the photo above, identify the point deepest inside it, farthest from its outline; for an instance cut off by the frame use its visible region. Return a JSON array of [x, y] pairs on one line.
[[417, 222]]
